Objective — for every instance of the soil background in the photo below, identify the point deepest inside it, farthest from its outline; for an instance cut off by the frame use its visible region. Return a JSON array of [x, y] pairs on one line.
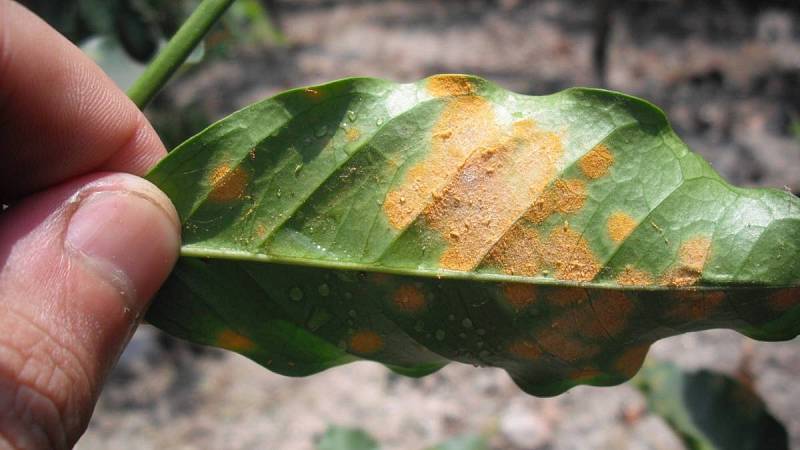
[[726, 72]]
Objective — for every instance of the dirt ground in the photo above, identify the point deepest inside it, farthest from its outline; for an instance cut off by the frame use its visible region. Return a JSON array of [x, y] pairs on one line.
[[726, 72]]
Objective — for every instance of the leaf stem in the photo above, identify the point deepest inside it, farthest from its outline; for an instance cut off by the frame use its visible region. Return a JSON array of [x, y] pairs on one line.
[[176, 51]]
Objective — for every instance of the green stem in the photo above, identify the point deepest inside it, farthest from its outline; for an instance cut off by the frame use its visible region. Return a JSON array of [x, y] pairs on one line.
[[176, 51]]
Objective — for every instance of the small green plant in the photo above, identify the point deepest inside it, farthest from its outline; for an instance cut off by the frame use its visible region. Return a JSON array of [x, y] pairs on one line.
[[416, 224]]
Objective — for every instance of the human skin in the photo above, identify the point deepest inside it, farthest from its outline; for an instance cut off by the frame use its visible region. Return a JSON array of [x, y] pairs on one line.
[[85, 242]]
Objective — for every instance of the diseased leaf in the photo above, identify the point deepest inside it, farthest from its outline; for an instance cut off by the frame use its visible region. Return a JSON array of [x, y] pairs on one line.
[[710, 411], [556, 237]]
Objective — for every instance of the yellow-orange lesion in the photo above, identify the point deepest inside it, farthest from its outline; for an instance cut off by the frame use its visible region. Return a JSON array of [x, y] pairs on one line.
[[596, 163], [692, 256], [563, 196], [464, 125], [566, 345], [450, 85], [613, 310], [227, 183], [232, 340], [569, 253], [409, 298], [620, 225], [517, 251], [484, 186], [352, 134], [490, 193], [631, 276], [365, 342]]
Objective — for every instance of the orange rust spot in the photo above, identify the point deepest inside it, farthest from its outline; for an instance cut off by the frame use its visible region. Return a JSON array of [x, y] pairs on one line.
[[465, 124], [409, 298], [586, 324], [525, 349], [631, 276], [567, 297], [565, 347], [569, 254], [693, 255], [784, 300], [595, 164], [517, 252], [564, 196], [447, 85], [612, 309], [352, 134], [232, 340], [620, 226], [584, 373], [694, 305], [227, 184], [631, 360], [492, 189], [365, 342], [519, 295]]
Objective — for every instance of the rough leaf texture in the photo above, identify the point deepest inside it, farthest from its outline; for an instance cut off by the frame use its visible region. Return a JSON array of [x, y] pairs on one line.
[[556, 237]]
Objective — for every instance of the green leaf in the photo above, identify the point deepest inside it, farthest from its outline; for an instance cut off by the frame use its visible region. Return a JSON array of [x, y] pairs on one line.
[[710, 411], [341, 438], [556, 237]]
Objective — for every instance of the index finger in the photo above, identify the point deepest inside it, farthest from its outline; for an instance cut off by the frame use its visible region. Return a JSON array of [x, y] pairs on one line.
[[60, 115]]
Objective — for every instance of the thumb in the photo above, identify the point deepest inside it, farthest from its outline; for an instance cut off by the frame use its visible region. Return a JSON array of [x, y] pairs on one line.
[[78, 265]]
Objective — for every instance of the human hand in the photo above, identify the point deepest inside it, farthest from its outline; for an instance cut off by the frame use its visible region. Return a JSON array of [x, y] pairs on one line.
[[84, 244]]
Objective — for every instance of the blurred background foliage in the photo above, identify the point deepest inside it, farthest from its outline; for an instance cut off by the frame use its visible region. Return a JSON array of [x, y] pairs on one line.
[[123, 35]]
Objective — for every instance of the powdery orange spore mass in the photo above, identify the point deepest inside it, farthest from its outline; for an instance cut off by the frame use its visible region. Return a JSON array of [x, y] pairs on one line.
[[631, 276], [568, 253], [517, 252], [409, 298], [564, 196], [352, 134], [449, 85], [232, 340], [620, 226], [491, 190], [596, 163], [692, 258], [465, 125], [227, 183], [365, 342]]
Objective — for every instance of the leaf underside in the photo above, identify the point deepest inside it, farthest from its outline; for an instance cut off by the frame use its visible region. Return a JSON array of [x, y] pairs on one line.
[[554, 236]]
